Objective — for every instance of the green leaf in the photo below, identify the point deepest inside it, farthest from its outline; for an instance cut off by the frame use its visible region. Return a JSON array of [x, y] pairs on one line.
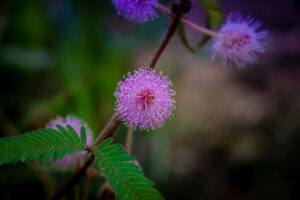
[[41, 145], [214, 12], [125, 177], [214, 17], [183, 37]]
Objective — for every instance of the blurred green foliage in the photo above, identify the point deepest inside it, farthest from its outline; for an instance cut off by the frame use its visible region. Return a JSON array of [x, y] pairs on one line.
[[68, 55]]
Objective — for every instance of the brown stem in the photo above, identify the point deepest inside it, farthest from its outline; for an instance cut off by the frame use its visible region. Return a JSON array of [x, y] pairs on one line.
[[107, 193], [129, 140], [75, 178], [108, 130], [86, 189], [171, 31]]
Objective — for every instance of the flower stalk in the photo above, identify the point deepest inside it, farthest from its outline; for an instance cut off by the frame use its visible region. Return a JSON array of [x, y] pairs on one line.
[[185, 21], [171, 31], [129, 140]]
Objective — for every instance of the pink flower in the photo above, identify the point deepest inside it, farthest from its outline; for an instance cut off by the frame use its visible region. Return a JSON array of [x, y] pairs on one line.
[[76, 123], [144, 99], [238, 40]]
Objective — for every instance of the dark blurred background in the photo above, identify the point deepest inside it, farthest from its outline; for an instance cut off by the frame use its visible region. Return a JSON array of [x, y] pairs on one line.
[[235, 133]]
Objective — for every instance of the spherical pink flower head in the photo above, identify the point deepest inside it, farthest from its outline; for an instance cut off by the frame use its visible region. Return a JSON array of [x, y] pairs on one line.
[[238, 40], [145, 99], [77, 124], [136, 10]]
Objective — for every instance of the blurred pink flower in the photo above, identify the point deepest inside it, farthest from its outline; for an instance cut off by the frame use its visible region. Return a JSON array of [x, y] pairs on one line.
[[238, 40], [144, 99], [76, 123]]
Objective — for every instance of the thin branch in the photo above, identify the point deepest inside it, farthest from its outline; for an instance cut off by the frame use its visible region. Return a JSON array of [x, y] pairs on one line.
[[171, 31], [108, 130], [107, 193], [185, 21], [75, 178], [129, 140]]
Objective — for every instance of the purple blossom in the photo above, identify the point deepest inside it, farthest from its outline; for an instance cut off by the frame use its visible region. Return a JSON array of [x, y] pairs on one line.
[[238, 40], [145, 99], [76, 123], [136, 10]]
